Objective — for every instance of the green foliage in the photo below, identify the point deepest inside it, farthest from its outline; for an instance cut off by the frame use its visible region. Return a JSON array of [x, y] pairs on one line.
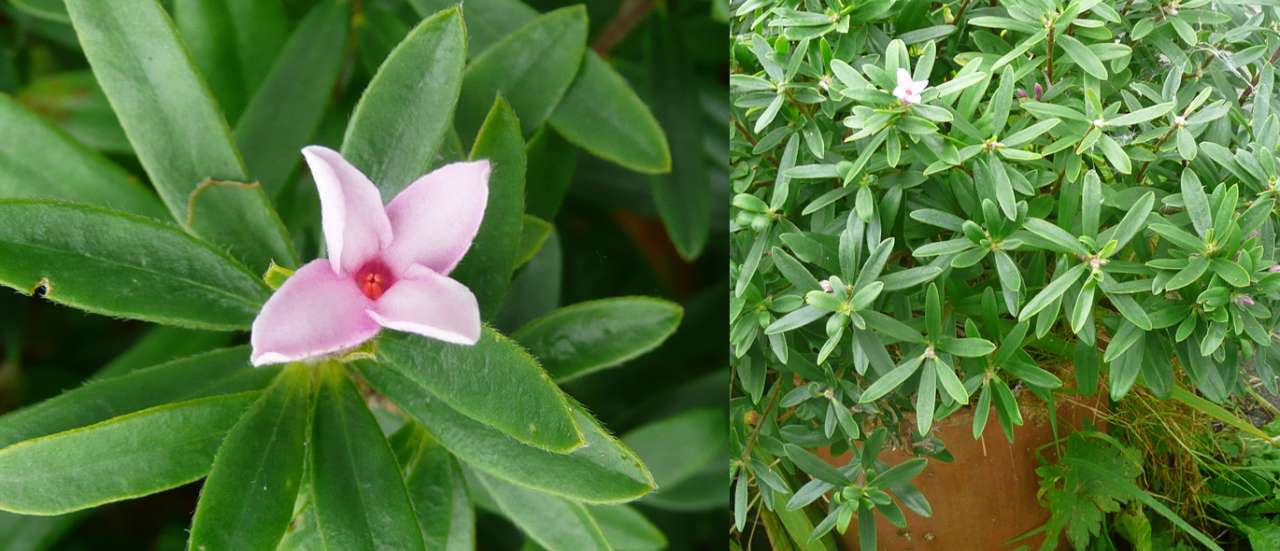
[[1081, 186], [149, 172]]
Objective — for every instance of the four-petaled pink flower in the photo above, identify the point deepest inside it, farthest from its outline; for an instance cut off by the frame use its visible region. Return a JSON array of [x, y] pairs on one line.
[[909, 90], [387, 267]]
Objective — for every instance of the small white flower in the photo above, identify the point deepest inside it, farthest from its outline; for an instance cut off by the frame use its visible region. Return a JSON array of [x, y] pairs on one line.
[[1179, 120], [909, 90]]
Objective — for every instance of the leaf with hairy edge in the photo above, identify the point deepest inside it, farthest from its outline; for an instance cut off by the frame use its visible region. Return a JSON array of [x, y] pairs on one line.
[[38, 161], [247, 501], [531, 67], [122, 458], [437, 489], [287, 108], [487, 267], [359, 496], [224, 371], [531, 409], [589, 336], [123, 265], [180, 137], [404, 113], [601, 471]]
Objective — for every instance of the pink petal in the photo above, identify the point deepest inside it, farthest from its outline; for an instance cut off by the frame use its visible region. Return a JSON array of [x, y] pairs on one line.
[[316, 312], [432, 305], [437, 216], [904, 79], [355, 224]]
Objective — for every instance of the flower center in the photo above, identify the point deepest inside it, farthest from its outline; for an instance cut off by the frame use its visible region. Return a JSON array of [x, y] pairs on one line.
[[374, 279]]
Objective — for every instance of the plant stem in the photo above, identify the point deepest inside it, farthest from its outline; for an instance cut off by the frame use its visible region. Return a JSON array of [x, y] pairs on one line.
[[755, 433], [1049, 64], [1253, 83], [630, 14], [1143, 171]]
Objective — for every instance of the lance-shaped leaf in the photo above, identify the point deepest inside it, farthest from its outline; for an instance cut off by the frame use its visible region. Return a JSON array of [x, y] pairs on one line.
[[1083, 56], [677, 448], [494, 382], [248, 499], [603, 115], [161, 344], [73, 102], [487, 267], [1051, 292], [223, 371], [683, 197], [1196, 202], [437, 489], [175, 127], [601, 471], [403, 116], [358, 493], [287, 108], [1142, 115], [122, 458], [1058, 238], [123, 265], [555, 523], [593, 335], [627, 529], [1133, 221], [38, 161], [233, 42], [531, 67]]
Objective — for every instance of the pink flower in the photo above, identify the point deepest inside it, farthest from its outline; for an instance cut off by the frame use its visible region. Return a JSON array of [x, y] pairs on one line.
[[909, 90], [387, 266]]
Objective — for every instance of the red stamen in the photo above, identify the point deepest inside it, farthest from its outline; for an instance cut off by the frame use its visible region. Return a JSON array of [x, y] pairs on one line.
[[371, 286], [374, 279]]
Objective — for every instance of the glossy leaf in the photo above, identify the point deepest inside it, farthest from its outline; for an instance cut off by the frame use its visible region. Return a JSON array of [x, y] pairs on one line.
[[404, 113], [683, 197], [602, 114], [38, 161], [531, 67], [589, 336], [679, 447], [487, 267], [549, 174], [123, 265], [626, 529], [359, 496], [533, 235], [247, 501], [122, 458], [180, 137], [287, 108], [494, 382], [601, 471]]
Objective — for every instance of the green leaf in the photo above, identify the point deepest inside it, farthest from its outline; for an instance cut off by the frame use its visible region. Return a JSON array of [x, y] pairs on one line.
[[247, 501], [969, 347], [531, 67], [814, 466], [901, 473], [1115, 154], [627, 529], [287, 108], [488, 265], [180, 137], [73, 102], [549, 174], [1133, 221], [359, 496], [437, 489], [683, 197], [601, 471], [123, 265], [493, 382], [162, 344], [1230, 272], [589, 336], [950, 382], [1003, 188], [224, 371], [1060, 240], [602, 114], [1197, 203], [122, 458], [1196, 266], [679, 447], [891, 380], [232, 42], [1030, 133], [38, 161], [554, 522], [404, 113], [1083, 56], [1051, 292], [1142, 115], [533, 235]]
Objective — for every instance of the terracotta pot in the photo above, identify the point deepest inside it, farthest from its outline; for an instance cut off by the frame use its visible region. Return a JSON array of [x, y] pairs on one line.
[[988, 494]]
